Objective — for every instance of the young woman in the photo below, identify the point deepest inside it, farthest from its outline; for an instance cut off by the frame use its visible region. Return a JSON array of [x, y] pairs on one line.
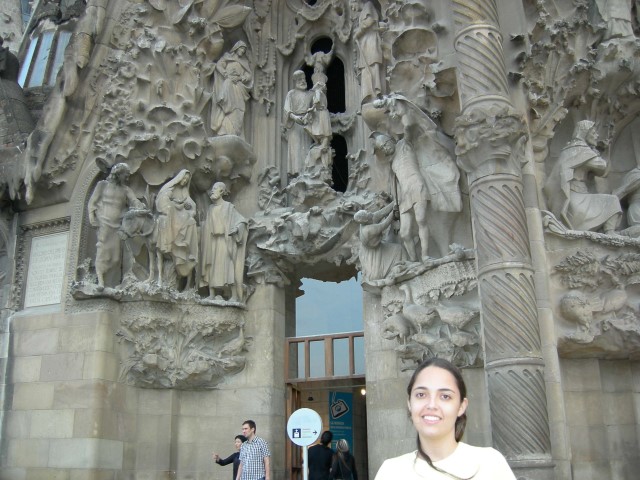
[[234, 457], [343, 465], [437, 405]]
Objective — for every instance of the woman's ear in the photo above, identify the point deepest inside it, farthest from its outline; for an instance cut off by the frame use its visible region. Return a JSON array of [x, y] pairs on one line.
[[463, 407]]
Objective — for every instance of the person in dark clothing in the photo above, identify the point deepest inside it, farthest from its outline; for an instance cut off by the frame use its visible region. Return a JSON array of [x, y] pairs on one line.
[[343, 465], [319, 457], [234, 457]]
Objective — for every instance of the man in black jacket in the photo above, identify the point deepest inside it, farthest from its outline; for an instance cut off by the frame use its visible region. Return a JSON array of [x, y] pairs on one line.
[[319, 458]]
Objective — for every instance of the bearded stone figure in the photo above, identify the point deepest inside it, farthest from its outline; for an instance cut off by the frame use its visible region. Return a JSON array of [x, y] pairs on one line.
[[224, 239]]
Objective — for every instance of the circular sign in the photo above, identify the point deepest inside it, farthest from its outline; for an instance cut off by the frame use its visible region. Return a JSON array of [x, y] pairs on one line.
[[304, 427]]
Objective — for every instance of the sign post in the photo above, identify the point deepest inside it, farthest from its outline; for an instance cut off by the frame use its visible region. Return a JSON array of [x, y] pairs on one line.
[[304, 427]]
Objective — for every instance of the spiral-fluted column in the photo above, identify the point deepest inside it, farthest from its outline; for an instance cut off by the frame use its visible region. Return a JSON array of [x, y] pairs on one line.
[[490, 134]]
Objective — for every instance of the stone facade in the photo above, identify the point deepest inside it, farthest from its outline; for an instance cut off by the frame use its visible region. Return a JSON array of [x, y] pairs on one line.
[[176, 168]]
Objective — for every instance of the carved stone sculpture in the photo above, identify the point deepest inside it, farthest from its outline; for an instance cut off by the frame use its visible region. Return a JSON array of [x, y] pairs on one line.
[[107, 205], [434, 327], [629, 189], [167, 346], [224, 238], [616, 15], [376, 256], [270, 196], [595, 301], [437, 169], [76, 58], [412, 192], [233, 80], [370, 59], [177, 235], [569, 192], [319, 126], [296, 106]]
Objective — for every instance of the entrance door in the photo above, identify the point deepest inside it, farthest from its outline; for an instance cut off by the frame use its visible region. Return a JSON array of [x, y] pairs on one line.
[[330, 381]]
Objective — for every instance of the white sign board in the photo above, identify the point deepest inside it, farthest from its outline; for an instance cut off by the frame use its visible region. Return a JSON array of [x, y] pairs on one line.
[[304, 426], [45, 275]]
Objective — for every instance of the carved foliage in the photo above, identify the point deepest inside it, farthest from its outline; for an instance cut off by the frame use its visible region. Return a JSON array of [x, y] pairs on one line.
[[186, 350], [490, 140], [571, 63], [600, 304]]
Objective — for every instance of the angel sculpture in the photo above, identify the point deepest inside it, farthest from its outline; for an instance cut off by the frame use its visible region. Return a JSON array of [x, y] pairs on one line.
[[425, 174]]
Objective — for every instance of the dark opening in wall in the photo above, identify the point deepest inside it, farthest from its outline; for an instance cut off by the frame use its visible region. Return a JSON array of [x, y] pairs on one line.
[[335, 76], [340, 170]]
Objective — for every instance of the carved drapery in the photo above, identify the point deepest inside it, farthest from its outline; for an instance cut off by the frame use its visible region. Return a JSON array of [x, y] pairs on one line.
[[489, 133]]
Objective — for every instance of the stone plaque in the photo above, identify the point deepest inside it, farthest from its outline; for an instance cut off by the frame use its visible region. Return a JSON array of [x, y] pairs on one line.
[[46, 270]]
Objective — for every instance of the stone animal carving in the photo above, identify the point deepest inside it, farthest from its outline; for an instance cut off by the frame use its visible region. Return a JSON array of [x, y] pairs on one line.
[[139, 230], [398, 326], [421, 316]]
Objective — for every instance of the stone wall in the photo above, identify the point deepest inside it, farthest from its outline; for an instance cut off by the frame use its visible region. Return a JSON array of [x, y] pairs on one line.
[[480, 175]]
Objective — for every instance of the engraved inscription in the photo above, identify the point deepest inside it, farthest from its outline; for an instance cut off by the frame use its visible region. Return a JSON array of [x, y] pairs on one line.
[[46, 270]]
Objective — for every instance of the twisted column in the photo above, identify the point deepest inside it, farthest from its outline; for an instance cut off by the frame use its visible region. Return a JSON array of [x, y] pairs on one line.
[[490, 135]]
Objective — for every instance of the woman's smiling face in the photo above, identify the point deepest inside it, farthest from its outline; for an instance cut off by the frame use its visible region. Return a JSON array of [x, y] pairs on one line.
[[434, 405]]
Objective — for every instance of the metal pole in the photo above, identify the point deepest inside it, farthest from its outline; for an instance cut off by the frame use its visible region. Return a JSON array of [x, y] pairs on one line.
[[305, 458]]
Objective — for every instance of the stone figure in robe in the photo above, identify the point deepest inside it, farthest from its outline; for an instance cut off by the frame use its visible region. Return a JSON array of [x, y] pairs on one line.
[[571, 194], [376, 256], [412, 192], [233, 81], [177, 231], [296, 107], [425, 170], [370, 60], [107, 205], [224, 239], [319, 124], [617, 16], [629, 189]]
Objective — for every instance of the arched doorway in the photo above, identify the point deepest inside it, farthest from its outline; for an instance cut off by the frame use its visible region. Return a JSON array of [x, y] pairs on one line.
[[325, 367]]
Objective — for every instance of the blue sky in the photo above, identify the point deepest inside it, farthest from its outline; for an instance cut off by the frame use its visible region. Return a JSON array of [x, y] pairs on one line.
[[328, 307]]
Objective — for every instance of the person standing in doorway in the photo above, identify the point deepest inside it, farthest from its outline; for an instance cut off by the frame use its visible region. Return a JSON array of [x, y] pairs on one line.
[[255, 457], [319, 458], [344, 464], [234, 457]]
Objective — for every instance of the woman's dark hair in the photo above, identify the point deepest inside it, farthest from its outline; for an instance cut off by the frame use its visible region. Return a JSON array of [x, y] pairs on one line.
[[242, 438], [461, 421], [326, 437]]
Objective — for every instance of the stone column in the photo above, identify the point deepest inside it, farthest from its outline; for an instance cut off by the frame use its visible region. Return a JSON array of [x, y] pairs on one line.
[[490, 136]]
